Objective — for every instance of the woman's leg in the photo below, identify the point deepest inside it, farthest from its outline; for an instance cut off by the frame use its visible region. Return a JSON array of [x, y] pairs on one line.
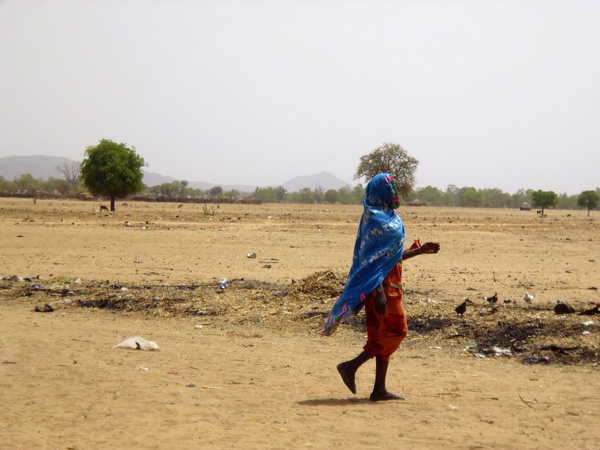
[[380, 392], [348, 369]]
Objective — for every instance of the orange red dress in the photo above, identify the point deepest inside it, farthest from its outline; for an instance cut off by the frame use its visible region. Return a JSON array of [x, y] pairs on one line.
[[386, 332]]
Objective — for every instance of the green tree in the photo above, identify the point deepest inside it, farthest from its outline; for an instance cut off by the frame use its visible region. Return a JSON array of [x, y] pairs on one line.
[[390, 158], [280, 193], [430, 195], [589, 200], [306, 195], [216, 191], [113, 170], [331, 196], [567, 201], [544, 199]]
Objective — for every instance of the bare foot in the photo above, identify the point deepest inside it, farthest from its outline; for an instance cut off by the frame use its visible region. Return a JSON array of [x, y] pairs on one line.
[[385, 395], [347, 377]]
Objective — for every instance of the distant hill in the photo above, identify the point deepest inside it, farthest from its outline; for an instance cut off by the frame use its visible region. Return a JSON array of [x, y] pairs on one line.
[[323, 179], [44, 167]]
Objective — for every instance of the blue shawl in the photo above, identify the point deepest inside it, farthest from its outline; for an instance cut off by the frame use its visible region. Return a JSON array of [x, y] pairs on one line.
[[378, 248]]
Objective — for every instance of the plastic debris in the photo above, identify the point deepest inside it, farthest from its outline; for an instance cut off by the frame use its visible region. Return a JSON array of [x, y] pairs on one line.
[[536, 359], [588, 323], [251, 255], [45, 308], [223, 283], [138, 343]]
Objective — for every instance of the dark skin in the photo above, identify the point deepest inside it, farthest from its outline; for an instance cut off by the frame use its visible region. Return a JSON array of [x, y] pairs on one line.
[[348, 369]]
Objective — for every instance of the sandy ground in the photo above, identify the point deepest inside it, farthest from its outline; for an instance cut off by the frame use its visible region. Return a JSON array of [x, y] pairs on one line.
[[245, 369]]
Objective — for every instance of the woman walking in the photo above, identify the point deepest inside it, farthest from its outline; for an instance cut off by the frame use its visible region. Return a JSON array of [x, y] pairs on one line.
[[375, 282]]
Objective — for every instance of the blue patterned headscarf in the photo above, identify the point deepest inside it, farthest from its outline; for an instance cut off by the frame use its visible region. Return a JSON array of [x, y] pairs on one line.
[[378, 248]]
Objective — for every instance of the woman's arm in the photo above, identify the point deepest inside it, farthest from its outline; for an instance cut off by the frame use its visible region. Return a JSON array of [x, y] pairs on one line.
[[427, 248]]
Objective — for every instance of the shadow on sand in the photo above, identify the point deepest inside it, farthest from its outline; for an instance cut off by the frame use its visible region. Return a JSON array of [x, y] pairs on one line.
[[335, 402]]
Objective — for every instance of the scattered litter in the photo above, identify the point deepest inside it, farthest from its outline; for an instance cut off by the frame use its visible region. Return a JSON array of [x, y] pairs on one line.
[[141, 368], [190, 385], [198, 326], [251, 255], [15, 278], [588, 323], [172, 372], [586, 332], [45, 308], [536, 359], [138, 343], [6, 361], [223, 283], [77, 281], [453, 408]]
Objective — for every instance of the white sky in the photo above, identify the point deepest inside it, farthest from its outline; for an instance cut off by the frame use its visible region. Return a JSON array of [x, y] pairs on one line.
[[490, 94]]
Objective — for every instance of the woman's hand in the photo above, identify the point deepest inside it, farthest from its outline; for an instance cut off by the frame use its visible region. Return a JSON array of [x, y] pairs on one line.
[[380, 300], [430, 247]]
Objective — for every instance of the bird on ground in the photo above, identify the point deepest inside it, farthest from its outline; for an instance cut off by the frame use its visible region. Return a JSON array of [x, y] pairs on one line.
[[492, 299], [460, 309], [563, 308], [528, 297]]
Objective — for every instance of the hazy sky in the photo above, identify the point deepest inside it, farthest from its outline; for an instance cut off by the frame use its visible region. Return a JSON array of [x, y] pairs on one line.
[[491, 94]]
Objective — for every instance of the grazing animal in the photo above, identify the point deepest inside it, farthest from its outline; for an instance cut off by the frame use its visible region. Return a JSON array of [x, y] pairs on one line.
[[540, 213], [460, 309], [492, 299], [563, 308], [103, 208], [528, 297]]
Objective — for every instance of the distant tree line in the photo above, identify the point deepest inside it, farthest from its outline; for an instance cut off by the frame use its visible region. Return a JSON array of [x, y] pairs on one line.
[[495, 198], [453, 196], [114, 170]]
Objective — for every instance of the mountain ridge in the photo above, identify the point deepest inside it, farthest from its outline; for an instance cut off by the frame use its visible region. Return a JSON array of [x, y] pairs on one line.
[[44, 167]]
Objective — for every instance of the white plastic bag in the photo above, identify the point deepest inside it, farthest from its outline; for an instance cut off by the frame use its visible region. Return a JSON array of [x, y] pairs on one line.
[[138, 343]]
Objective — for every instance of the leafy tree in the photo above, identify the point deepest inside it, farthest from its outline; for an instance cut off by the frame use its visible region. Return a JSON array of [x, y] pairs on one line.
[[269, 194], [216, 191], [5, 185], [280, 193], [567, 201], [113, 170], [390, 158], [306, 195], [63, 187], [430, 195], [233, 194], [544, 199], [331, 196], [26, 182], [589, 200]]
